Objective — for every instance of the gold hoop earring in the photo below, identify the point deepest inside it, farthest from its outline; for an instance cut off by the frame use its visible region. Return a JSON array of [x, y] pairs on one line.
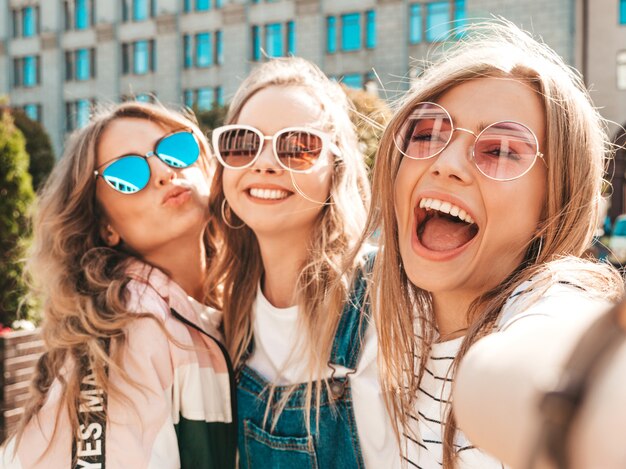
[[226, 222]]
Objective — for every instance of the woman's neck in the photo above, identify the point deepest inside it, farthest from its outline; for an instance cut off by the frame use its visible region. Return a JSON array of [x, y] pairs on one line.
[[451, 313], [185, 263], [282, 263]]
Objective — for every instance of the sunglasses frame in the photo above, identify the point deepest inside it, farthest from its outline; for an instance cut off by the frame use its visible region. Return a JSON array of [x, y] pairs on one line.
[[98, 172], [323, 136], [476, 137]]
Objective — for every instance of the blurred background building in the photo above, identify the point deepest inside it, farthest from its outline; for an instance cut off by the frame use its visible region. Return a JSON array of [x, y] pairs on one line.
[[59, 57]]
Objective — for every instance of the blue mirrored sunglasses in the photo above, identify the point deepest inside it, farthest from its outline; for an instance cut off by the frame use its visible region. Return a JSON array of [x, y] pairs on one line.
[[130, 173]]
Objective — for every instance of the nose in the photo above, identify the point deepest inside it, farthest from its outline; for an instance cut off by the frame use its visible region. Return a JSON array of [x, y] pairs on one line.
[[454, 161], [266, 161], [162, 174]]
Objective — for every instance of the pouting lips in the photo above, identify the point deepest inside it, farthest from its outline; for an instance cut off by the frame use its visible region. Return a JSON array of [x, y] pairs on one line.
[[439, 231]]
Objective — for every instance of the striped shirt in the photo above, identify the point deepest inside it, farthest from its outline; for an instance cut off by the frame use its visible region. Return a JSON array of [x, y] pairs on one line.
[[422, 445]]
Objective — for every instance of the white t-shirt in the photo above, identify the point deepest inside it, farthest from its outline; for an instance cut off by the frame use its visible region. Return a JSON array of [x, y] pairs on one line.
[[278, 345], [424, 448]]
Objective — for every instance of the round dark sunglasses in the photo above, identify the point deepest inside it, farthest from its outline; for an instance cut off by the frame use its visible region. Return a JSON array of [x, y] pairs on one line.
[[130, 173]]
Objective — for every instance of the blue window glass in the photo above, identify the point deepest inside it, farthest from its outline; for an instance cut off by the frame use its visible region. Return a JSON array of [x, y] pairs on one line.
[[256, 43], [188, 51], [351, 32], [273, 40], [370, 29], [219, 48], [218, 3], [202, 5], [188, 98], [291, 38], [30, 70], [437, 21], [205, 99], [144, 98], [83, 109], [460, 14], [415, 23], [83, 67], [141, 59], [219, 96], [187, 6], [204, 54], [353, 80], [81, 15], [331, 34], [29, 22], [32, 111], [140, 10], [622, 12]]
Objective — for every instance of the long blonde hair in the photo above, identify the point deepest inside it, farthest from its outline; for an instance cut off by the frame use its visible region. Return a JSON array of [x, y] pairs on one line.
[[79, 279], [336, 232], [575, 147]]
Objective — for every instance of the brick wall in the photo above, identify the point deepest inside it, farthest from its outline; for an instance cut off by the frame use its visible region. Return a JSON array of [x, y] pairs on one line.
[[19, 352]]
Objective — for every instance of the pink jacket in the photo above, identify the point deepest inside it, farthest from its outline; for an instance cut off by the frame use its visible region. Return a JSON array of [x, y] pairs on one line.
[[182, 418]]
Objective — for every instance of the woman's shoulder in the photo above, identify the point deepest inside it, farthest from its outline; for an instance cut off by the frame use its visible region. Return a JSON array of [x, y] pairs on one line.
[[568, 285]]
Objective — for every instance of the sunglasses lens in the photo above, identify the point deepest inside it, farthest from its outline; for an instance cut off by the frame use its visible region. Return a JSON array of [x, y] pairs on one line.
[[127, 175], [425, 132], [505, 150], [237, 147], [298, 150], [178, 150]]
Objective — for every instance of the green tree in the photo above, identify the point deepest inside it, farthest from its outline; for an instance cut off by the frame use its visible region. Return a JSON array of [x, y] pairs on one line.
[[38, 147], [209, 120], [370, 120], [16, 196]]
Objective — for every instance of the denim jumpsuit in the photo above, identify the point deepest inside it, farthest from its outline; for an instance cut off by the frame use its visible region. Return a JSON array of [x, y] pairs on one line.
[[286, 444]]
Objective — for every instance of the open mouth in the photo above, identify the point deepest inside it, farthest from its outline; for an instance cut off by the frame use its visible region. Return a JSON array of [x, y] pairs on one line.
[[442, 226], [268, 194]]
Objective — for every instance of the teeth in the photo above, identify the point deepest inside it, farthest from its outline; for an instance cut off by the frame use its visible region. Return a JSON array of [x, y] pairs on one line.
[[274, 194], [446, 207]]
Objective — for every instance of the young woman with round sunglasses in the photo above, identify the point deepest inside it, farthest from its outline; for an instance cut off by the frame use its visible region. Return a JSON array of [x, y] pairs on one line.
[[134, 374], [292, 191], [485, 189]]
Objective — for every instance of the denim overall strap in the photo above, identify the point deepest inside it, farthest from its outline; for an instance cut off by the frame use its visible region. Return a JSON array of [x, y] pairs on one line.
[[353, 323]]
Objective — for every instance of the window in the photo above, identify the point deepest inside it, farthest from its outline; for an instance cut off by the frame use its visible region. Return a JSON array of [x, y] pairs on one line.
[[139, 57], [350, 32], [138, 10], [621, 70], [201, 51], [25, 21], [434, 21], [26, 71], [204, 99], [353, 80], [278, 40], [622, 11], [200, 5], [331, 34], [357, 30], [79, 14], [204, 53], [33, 111], [219, 48], [80, 64], [29, 27], [370, 29], [415, 23], [77, 114], [273, 40]]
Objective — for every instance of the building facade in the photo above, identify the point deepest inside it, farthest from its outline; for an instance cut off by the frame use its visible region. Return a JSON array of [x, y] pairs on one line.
[[59, 57]]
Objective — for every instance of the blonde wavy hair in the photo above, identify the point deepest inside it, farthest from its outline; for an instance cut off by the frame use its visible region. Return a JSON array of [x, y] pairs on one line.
[[576, 149], [79, 280], [239, 266]]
